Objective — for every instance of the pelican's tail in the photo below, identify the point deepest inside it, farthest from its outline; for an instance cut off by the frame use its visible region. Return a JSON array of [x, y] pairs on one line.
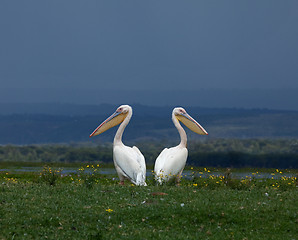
[[159, 177], [140, 179], [159, 180]]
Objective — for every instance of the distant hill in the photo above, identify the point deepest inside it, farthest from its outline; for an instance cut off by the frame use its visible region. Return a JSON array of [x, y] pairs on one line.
[[69, 123], [67, 109]]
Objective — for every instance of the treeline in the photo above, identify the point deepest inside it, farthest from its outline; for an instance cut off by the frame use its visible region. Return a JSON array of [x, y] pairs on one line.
[[236, 153], [54, 153]]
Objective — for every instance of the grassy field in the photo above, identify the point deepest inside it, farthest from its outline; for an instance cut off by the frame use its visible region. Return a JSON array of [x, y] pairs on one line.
[[48, 205]]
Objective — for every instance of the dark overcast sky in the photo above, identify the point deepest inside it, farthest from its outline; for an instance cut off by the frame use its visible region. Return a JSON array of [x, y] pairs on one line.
[[64, 49]]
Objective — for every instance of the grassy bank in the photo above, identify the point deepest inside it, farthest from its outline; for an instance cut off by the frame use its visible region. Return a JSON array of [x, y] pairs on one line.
[[96, 207]]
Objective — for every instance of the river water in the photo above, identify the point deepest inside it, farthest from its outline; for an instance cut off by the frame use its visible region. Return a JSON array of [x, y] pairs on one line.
[[186, 173]]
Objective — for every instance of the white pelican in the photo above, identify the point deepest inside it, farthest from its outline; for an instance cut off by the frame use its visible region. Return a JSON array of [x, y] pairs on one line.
[[129, 161], [171, 161]]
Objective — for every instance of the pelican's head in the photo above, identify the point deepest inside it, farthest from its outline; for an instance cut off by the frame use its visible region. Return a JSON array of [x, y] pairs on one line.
[[112, 121], [188, 121]]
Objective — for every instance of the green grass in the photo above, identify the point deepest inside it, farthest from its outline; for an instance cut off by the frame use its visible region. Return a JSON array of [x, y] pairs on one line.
[[31, 208]]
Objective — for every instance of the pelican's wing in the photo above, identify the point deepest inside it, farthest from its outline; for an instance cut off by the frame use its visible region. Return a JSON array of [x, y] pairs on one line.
[[140, 159], [160, 161], [170, 162], [128, 160]]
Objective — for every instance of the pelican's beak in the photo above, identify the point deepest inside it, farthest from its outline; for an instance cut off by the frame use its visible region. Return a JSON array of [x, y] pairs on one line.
[[112, 121], [192, 124]]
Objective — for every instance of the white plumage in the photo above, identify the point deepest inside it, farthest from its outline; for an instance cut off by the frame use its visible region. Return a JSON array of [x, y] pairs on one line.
[[170, 163], [130, 163]]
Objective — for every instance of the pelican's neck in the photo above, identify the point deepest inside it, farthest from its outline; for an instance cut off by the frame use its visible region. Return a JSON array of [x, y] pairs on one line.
[[181, 131], [119, 133]]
